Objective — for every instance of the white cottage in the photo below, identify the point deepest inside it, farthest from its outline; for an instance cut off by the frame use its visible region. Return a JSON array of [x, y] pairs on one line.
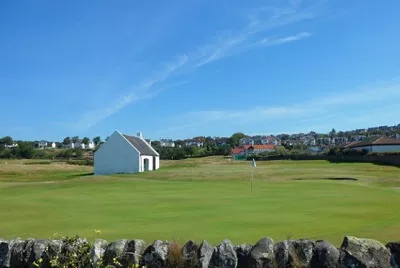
[[376, 145], [125, 154]]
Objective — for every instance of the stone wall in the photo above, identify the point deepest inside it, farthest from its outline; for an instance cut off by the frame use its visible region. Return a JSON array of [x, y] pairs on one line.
[[76, 252]]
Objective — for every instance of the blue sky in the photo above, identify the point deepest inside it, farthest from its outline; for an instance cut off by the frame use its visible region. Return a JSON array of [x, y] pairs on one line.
[[178, 69]]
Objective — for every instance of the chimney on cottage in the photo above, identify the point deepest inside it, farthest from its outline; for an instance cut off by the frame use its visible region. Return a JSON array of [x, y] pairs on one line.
[[140, 135]]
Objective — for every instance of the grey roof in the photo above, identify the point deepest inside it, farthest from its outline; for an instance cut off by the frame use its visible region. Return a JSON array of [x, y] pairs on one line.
[[374, 141], [140, 145]]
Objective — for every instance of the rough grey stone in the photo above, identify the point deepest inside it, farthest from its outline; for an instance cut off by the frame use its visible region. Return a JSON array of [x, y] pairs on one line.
[[97, 251], [325, 255], [45, 250], [115, 250], [262, 254], [5, 252], [126, 252], [304, 250], [21, 253], [293, 253], [366, 253], [75, 251], [189, 252], [134, 251], [282, 254], [205, 253], [242, 253], [4, 248], [224, 256], [394, 248], [155, 255]]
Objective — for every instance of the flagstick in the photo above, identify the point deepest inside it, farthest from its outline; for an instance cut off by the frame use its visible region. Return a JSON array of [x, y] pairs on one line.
[[252, 176], [253, 166]]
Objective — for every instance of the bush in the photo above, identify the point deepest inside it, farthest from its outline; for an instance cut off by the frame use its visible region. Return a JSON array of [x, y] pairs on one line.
[[383, 154], [37, 163], [175, 256], [85, 162], [65, 153]]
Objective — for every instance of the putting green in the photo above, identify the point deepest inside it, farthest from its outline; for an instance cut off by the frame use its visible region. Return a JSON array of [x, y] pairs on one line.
[[211, 210]]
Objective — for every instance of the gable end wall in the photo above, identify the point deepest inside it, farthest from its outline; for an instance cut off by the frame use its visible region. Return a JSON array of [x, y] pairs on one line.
[[116, 155]]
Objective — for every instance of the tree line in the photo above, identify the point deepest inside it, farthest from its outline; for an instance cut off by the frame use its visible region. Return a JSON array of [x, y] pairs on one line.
[[11, 149], [86, 140]]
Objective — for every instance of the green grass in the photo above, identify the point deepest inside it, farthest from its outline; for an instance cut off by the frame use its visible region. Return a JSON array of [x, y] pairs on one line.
[[200, 199]]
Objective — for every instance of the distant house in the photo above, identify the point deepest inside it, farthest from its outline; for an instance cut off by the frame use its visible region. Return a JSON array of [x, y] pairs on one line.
[[125, 154], [259, 148], [376, 145], [238, 153], [255, 149], [80, 144], [51, 145], [194, 142], [358, 137], [396, 136], [221, 141], [323, 141], [74, 145], [90, 145], [268, 140], [339, 140], [167, 143], [315, 150], [45, 144], [11, 146], [246, 141]]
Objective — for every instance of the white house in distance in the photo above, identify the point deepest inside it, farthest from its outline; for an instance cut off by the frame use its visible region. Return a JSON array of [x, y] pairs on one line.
[[125, 154], [377, 145]]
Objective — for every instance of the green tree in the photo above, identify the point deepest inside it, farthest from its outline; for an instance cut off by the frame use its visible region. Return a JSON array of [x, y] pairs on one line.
[[97, 140], [209, 141], [78, 152], [285, 137], [67, 140], [235, 139], [191, 150], [178, 153], [26, 150], [75, 139], [85, 140], [281, 150], [332, 133], [7, 140], [179, 142], [224, 150]]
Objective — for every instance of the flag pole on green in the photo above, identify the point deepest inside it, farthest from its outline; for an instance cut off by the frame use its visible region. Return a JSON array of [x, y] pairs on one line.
[[253, 166]]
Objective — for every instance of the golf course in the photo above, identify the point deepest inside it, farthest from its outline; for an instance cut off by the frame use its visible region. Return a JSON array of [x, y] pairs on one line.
[[202, 199]]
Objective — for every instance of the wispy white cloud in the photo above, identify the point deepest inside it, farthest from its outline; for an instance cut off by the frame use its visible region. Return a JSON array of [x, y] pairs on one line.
[[373, 100], [137, 93], [254, 33], [252, 115], [268, 41], [260, 21]]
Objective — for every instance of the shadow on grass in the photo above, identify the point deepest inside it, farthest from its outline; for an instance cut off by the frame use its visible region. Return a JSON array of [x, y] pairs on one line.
[[330, 178], [339, 161], [383, 164], [82, 174]]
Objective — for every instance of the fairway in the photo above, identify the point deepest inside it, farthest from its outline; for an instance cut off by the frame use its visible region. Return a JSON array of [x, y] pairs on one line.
[[200, 199]]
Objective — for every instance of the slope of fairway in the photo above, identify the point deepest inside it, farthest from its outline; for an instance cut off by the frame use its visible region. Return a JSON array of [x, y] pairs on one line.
[[185, 206]]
